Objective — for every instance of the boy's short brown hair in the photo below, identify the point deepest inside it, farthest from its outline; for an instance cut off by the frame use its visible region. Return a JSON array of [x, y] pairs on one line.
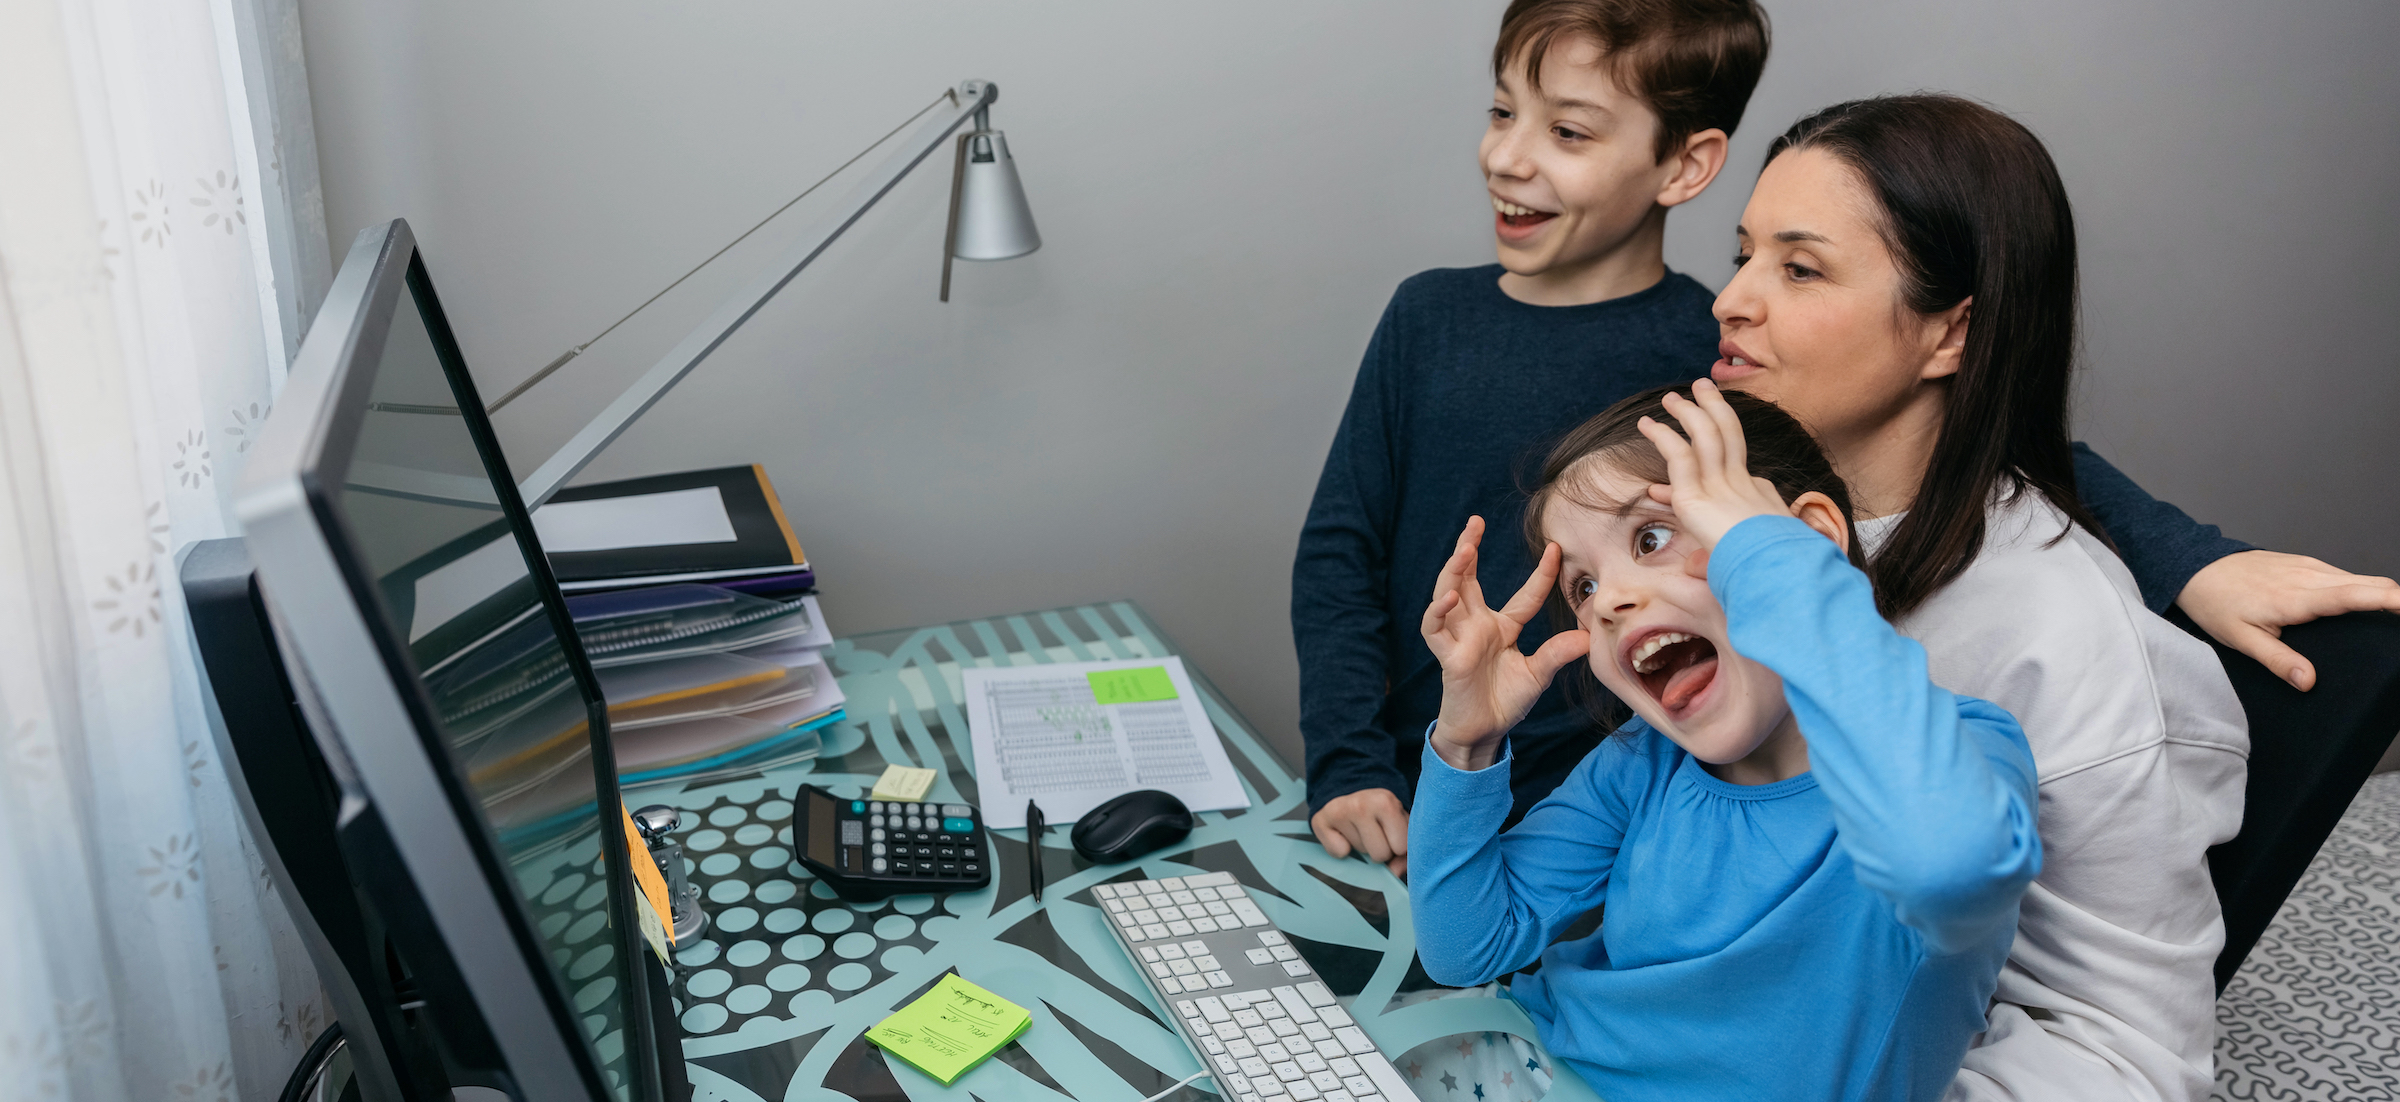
[[1694, 62]]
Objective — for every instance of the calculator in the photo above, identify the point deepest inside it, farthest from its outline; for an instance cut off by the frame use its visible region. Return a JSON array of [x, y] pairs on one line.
[[873, 849]]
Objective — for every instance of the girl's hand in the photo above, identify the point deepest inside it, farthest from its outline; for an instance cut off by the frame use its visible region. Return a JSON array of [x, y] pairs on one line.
[[1711, 486], [1487, 684]]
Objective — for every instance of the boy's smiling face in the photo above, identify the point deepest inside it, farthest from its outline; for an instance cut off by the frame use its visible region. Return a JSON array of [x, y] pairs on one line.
[[1572, 167], [1659, 640]]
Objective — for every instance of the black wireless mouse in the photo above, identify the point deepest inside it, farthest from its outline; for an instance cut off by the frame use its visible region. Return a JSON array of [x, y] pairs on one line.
[[1131, 825]]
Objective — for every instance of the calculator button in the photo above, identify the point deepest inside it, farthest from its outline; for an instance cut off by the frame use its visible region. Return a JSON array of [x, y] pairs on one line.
[[958, 825], [949, 868], [876, 849], [946, 853], [875, 834], [959, 810], [973, 869], [879, 865], [858, 807]]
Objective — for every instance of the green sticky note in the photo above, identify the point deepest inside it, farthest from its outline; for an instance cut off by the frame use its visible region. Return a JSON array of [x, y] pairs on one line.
[[1139, 686], [950, 1028]]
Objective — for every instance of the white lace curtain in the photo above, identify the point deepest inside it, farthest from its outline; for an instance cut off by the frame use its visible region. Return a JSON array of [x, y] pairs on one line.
[[143, 954]]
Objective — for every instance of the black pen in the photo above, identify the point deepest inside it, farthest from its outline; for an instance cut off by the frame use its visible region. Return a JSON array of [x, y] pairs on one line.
[[1034, 829]]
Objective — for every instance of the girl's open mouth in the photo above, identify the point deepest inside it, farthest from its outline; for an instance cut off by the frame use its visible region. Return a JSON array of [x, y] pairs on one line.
[[1676, 668]]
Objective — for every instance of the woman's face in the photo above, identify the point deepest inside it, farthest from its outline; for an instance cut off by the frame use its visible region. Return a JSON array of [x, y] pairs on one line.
[[1813, 319]]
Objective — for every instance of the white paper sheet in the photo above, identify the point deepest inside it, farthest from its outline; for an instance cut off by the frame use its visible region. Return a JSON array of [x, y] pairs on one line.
[[1040, 734], [664, 519]]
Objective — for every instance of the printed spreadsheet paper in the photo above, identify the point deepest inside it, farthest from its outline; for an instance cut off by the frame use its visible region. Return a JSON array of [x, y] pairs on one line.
[[1073, 735]]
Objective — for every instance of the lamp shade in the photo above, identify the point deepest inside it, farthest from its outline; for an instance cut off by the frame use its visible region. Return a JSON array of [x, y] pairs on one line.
[[994, 223]]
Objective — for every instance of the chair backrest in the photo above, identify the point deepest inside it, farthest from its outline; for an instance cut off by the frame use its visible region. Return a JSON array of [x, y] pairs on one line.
[[2309, 754]]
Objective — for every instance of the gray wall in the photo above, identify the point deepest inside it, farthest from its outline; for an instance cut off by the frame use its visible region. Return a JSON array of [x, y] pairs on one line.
[[1228, 192]]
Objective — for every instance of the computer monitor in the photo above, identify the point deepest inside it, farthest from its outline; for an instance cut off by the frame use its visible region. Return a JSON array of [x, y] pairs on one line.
[[433, 658]]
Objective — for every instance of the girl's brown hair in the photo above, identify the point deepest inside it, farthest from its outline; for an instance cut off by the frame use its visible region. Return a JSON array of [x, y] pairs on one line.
[[1779, 450]]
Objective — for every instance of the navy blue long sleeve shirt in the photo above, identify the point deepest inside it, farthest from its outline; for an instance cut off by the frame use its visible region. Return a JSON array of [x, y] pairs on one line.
[[1461, 392]]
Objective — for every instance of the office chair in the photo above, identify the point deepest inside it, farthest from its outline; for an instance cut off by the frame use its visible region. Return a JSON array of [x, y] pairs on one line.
[[2309, 754]]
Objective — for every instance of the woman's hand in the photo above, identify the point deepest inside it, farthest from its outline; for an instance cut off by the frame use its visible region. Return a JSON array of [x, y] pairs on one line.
[[1710, 486], [2245, 600], [1487, 684]]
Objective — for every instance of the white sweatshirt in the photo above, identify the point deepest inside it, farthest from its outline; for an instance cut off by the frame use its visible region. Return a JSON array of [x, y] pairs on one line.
[[2109, 994]]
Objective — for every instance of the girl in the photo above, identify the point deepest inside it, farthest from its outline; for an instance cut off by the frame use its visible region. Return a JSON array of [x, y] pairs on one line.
[[1810, 854]]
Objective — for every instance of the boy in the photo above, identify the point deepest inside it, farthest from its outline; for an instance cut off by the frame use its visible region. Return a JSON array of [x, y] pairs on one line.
[[1605, 114]]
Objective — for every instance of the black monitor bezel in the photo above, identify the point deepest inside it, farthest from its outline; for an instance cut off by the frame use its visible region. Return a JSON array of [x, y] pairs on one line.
[[323, 472]]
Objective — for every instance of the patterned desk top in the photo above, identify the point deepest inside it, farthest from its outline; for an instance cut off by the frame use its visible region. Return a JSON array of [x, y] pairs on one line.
[[774, 1001]]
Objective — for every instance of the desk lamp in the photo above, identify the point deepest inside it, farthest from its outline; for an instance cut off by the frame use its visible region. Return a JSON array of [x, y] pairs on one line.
[[989, 220]]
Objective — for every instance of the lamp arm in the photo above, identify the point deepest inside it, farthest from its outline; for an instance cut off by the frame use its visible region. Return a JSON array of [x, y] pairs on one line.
[[972, 98]]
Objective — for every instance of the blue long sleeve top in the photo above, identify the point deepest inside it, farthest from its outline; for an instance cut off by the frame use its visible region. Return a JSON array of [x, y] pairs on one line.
[[1460, 393], [1834, 935]]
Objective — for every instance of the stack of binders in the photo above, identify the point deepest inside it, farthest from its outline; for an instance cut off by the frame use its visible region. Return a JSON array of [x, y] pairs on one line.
[[700, 617]]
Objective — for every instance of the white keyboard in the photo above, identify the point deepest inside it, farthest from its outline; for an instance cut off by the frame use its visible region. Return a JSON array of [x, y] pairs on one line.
[[1244, 999]]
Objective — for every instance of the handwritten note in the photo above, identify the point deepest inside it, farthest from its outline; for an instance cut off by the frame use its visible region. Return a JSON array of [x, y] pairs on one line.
[[1134, 686], [950, 1028]]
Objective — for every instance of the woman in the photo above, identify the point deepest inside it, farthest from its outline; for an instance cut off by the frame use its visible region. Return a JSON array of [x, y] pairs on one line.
[[1908, 290]]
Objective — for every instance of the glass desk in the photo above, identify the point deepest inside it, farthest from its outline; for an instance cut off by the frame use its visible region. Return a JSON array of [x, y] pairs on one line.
[[773, 1003]]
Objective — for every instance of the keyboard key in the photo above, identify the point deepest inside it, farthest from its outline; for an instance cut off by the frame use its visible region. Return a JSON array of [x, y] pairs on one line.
[[1344, 1066], [1172, 952], [1305, 1091], [1284, 1027], [1268, 1088], [1337, 1017], [1328, 1049], [1181, 967], [1359, 1084], [1245, 1096], [1161, 970], [1170, 984], [1241, 1046], [1170, 883], [1170, 914], [1325, 1080], [1291, 1000], [1284, 952], [1297, 968], [1225, 1064], [1270, 937], [1315, 1065], [1195, 948], [1274, 1054], [1152, 888], [1213, 1009], [1187, 1008], [1144, 917], [1227, 1031], [1149, 955], [1116, 906], [1249, 913], [1260, 1035], [1154, 931], [1256, 1068], [1218, 909], [1217, 979], [1104, 891], [1180, 929], [1183, 897], [1237, 1082], [1259, 957], [1248, 1019], [1288, 1072], [1271, 1010], [1126, 920], [1314, 1031], [1337, 1096], [1240, 1000], [1205, 894], [1213, 1046], [1317, 994], [1203, 924], [1355, 1040]]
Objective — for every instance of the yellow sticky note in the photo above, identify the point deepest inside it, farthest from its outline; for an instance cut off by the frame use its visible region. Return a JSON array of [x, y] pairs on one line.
[[1135, 686], [651, 904], [950, 1029], [900, 782]]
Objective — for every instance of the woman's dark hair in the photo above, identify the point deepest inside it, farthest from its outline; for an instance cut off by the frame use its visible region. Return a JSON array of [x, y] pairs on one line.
[[1779, 448], [1971, 207]]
